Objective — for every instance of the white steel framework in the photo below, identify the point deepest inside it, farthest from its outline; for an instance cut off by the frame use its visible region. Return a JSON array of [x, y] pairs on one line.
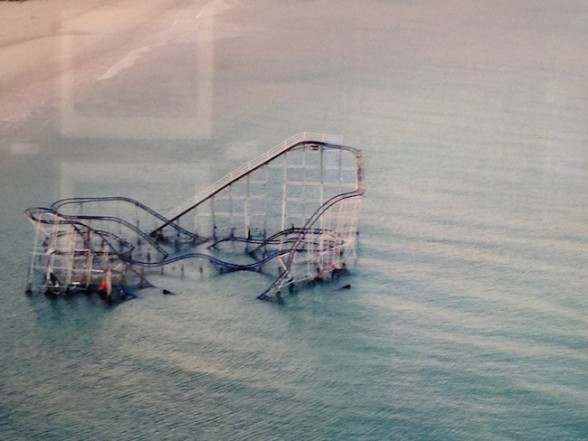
[[293, 211]]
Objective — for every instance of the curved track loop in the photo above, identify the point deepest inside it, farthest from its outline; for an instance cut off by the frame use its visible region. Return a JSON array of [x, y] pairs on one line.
[[83, 221]]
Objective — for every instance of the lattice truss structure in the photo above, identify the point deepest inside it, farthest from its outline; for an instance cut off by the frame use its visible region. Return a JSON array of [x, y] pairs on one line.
[[292, 212]]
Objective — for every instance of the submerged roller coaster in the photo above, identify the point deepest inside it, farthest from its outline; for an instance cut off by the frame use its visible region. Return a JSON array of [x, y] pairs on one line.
[[293, 212]]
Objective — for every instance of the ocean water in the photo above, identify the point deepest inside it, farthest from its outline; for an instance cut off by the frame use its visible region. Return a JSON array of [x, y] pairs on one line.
[[467, 316]]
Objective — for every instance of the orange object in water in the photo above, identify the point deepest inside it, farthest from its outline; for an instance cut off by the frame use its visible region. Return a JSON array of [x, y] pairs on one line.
[[103, 286]]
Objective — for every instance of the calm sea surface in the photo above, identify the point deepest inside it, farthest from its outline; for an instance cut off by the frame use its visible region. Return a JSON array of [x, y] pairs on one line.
[[468, 312]]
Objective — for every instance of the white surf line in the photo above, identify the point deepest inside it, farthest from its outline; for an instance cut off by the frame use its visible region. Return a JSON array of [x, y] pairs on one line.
[[127, 61], [213, 8]]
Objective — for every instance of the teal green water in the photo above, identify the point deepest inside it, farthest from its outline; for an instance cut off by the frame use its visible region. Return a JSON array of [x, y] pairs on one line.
[[467, 317]]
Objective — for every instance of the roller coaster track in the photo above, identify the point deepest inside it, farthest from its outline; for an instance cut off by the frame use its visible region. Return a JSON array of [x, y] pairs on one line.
[[359, 191], [35, 215], [290, 242], [72, 201], [78, 222], [238, 173]]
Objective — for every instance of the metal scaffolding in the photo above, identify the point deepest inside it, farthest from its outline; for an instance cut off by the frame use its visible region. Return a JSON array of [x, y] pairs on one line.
[[293, 211]]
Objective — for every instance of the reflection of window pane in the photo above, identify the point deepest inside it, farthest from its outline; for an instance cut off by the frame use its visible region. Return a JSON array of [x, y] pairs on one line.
[[154, 185], [155, 88]]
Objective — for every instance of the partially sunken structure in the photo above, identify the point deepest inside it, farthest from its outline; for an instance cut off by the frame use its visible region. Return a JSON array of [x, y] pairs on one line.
[[292, 212]]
